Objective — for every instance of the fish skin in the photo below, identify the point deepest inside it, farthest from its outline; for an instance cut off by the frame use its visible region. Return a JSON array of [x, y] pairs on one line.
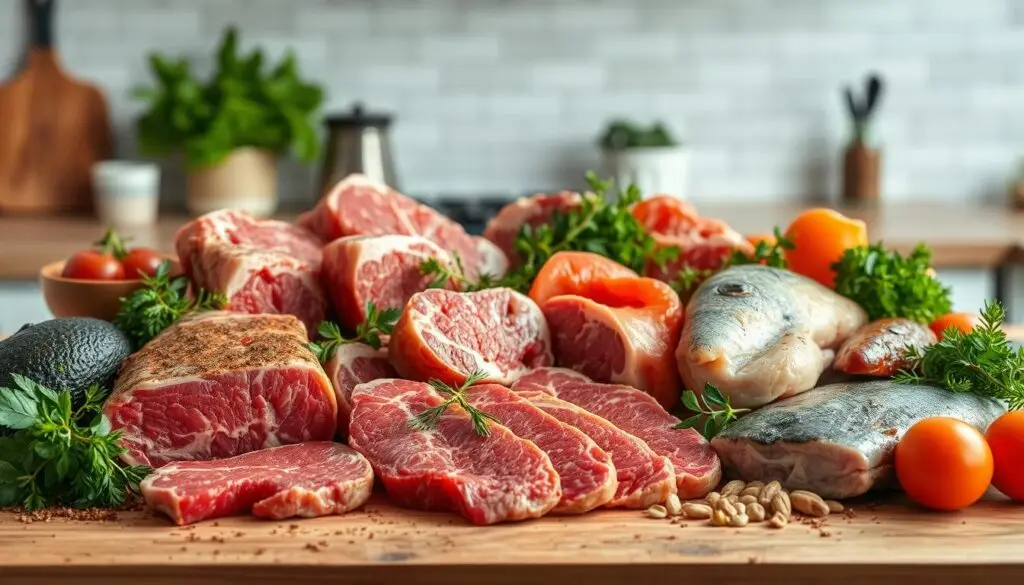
[[838, 440], [879, 348], [760, 333]]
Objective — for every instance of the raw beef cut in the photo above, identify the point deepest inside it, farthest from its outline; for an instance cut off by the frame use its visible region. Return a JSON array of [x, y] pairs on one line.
[[449, 335], [586, 472], [487, 479], [358, 206], [696, 465], [644, 477], [383, 270], [262, 266], [492, 260], [621, 330], [305, 480], [503, 228], [220, 384], [351, 365]]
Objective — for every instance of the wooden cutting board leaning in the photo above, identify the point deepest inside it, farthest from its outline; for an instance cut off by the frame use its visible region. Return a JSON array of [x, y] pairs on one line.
[[54, 129]]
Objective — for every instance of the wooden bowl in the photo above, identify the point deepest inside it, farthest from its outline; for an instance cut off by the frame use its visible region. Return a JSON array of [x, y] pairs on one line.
[[74, 297]]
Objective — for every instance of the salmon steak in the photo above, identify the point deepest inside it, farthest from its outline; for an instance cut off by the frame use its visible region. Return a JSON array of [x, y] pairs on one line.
[[880, 347]]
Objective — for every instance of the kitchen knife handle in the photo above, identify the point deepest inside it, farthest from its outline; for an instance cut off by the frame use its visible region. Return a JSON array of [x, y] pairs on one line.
[[40, 14]]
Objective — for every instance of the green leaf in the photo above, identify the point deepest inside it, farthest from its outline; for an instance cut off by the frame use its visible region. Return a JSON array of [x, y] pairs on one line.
[[690, 401], [18, 408], [710, 428], [689, 422], [713, 396]]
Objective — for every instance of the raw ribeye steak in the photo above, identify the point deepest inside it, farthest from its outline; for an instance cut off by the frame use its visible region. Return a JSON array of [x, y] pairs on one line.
[[262, 266], [487, 479], [586, 472], [383, 270], [696, 465], [503, 228], [351, 365], [644, 477], [305, 481], [220, 384], [359, 206], [449, 335], [620, 330]]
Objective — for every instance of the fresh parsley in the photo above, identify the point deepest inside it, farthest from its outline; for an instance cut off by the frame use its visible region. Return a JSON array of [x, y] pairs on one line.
[[160, 303], [429, 418], [445, 274], [688, 279], [981, 361], [764, 253], [59, 455], [377, 323], [886, 284], [712, 405]]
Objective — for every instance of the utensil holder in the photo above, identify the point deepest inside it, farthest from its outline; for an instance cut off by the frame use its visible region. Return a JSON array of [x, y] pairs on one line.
[[862, 167]]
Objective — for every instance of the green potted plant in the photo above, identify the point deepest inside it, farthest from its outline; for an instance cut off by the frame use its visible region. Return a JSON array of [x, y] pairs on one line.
[[648, 157], [862, 160], [231, 127]]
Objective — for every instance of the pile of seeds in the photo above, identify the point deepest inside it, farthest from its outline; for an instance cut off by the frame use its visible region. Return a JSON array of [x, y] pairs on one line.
[[740, 503]]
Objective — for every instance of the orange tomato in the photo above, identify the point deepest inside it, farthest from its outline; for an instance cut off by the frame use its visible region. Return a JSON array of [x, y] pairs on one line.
[[962, 321], [565, 273], [944, 463], [820, 236], [1006, 439]]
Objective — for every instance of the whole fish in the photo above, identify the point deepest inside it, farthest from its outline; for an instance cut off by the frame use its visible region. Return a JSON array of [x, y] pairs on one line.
[[838, 440], [880, 347], [760, 333]]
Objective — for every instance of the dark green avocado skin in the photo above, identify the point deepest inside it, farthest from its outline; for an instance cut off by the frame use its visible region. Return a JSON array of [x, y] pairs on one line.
[[70, 353]]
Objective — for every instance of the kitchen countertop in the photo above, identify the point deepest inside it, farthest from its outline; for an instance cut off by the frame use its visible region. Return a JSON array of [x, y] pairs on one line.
[[962, 236]]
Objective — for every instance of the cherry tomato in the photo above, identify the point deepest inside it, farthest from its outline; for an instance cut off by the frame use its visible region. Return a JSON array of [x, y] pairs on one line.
[[819, 237], [1006, 439], [141, 260], [944, 463], [93, 265], [962, 321]]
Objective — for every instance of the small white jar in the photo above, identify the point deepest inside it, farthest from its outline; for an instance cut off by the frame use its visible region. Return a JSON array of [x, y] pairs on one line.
[[127, 193]]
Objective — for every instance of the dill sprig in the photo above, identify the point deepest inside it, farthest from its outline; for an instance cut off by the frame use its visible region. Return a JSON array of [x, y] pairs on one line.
[[981, 361], [377, 323], [711, 404], [429, 418]]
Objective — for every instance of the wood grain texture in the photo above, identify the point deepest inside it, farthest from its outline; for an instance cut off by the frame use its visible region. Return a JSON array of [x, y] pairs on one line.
[[890, 543], [54, 129]]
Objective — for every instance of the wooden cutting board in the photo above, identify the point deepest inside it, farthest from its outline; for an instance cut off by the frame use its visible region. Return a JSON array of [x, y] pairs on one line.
[[54, 129]]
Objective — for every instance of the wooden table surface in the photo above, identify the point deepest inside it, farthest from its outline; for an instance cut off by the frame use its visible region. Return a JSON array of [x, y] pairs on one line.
[[888, 544], [962, 236]]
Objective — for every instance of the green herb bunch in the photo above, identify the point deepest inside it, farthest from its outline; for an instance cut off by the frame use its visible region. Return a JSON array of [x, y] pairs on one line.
[[886, 284], [622, 134], [241, 105], [59, 455], [716, 410], [981, 361], [377, 323]]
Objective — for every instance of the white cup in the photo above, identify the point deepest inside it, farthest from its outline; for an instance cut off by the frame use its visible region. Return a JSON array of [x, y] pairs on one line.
[[127, 193]]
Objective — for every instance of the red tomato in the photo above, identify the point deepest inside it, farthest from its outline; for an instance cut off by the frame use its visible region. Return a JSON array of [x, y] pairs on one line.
[[944, 463], [1006, 438], [141, 260], [93, 265], [962, 321]]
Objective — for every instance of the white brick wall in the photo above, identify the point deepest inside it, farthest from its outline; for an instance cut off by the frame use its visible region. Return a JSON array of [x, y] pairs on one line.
[[503, 96]]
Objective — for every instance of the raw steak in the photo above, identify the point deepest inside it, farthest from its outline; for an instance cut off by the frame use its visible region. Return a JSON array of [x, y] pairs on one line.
[[220, 384], [448, 335], [383, 270], [621, 330], [492, 260], [696, 465], [879, 348], [488, 479], [305, 480], [351, 365], [262, 266], [586, 472], [644, 477], [503, 228], [358, 206]]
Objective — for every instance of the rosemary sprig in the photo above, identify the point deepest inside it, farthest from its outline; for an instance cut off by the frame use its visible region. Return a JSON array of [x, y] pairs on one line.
[[980, 362], [429, 418], [377, 323], [715, 407]]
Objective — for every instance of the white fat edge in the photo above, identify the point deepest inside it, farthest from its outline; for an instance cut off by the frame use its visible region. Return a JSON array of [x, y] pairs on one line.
[[422, 321], [533, 316], [248, 261], [354, 180], [493, 260], [348, 353]]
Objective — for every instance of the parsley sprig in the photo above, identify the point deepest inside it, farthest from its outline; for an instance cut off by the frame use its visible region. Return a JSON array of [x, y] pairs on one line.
[[886, 284], [429, 418], [60, 455], [377, 323], [160, 303], [764, 253], [981, 361], [712, 405], [454, 273]]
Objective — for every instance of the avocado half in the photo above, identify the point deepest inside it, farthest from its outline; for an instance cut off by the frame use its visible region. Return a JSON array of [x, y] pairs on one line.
[[65, 354]]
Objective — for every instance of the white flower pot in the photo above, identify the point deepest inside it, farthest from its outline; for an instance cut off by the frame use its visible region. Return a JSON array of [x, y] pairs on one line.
[[656, 171]]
